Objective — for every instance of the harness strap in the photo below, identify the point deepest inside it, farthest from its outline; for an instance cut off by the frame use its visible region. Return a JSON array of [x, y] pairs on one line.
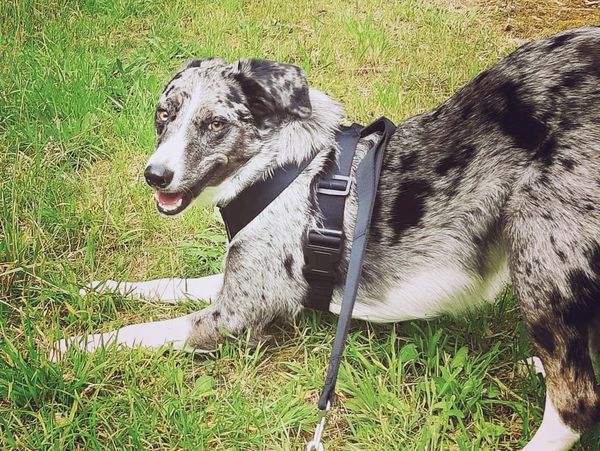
[[367, 177], [254, 199], [324, 245]]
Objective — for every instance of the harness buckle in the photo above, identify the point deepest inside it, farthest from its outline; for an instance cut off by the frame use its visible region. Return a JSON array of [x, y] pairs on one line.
[[322, 252], [330, 187]]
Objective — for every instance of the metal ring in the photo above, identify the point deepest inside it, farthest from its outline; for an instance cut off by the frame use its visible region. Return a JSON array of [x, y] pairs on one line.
[[314, 446]]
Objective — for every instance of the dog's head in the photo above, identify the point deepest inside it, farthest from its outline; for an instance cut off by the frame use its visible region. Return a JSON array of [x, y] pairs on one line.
[[212, 118]]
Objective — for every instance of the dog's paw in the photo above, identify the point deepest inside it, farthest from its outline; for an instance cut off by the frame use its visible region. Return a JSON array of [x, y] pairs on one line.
[[99, 287], [87, 343], [532, 363]]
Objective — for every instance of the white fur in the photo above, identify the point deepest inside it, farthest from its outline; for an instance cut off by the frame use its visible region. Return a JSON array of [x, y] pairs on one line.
[[164, 290], [537, 365], [171, 153], [428, 293], [553, 434], [424, 295], [152, 335]]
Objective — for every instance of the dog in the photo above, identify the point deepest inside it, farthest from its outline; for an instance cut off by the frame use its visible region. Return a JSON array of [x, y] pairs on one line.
[[499, 184]]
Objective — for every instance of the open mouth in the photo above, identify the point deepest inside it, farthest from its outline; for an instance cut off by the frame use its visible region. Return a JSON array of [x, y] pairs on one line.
[[172, 203]]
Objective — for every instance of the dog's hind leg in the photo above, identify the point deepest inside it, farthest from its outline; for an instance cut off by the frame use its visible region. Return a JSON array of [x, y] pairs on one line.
[[556, 275], [164, 290]]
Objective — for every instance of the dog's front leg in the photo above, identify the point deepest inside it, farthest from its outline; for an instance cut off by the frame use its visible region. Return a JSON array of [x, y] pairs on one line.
[[152, 335], [251, 299], [164, 290]]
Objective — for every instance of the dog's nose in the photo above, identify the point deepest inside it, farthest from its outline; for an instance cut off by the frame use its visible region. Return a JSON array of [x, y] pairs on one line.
[[158, 176]]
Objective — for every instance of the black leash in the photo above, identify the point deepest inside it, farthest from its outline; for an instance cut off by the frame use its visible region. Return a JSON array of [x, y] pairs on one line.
[[323, 248], [367, 180]]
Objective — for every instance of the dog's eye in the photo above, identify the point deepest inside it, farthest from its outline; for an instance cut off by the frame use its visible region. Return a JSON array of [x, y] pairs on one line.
[[216, 125], [162, 115]]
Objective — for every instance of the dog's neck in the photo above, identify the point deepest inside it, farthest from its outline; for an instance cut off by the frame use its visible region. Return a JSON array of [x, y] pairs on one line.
[[293, 142]]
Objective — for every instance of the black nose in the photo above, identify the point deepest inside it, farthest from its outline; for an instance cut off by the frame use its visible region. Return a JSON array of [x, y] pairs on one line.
[[158, 176]]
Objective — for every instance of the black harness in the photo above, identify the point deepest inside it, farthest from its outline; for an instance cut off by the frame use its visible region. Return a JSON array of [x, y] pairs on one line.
[[323, 246]]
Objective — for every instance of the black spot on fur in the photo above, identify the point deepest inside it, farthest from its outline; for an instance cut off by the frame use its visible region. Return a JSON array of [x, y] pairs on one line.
[[194, 63], [559, 41], [409, 206], [234, 96], [585, 290], [545, 153], [258, 101], [216, 315], [543, 179], [567, 163], [576, 352], [287, 263], [169, 91], [456, 159], [233, 251], [542, 336], [584, 417], [573, 79], [516, 117], [593, 256], [298, 98], [408, 162]]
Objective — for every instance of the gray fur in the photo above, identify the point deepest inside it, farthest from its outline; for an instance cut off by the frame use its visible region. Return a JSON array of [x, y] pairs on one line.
[[501, 181]]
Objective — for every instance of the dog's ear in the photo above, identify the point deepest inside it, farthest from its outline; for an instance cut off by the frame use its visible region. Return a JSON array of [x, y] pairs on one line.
[[273, 91]]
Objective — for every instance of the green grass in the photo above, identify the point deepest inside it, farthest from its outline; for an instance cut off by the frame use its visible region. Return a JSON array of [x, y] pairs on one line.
[[78, 83]]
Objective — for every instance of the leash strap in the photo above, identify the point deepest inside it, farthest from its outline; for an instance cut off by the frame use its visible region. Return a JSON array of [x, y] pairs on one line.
[[367, 176], [324, 245]]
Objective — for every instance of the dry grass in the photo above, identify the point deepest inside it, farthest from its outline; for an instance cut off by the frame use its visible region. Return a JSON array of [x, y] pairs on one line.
[[524, 20]]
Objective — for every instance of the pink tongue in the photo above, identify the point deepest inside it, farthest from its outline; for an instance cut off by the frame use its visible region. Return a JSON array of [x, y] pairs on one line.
[[168, 198]]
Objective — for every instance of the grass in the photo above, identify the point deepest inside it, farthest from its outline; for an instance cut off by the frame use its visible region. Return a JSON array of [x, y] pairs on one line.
[[78, 83]]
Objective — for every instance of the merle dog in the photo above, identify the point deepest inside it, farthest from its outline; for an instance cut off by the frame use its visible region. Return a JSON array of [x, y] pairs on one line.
[[500, 183]]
